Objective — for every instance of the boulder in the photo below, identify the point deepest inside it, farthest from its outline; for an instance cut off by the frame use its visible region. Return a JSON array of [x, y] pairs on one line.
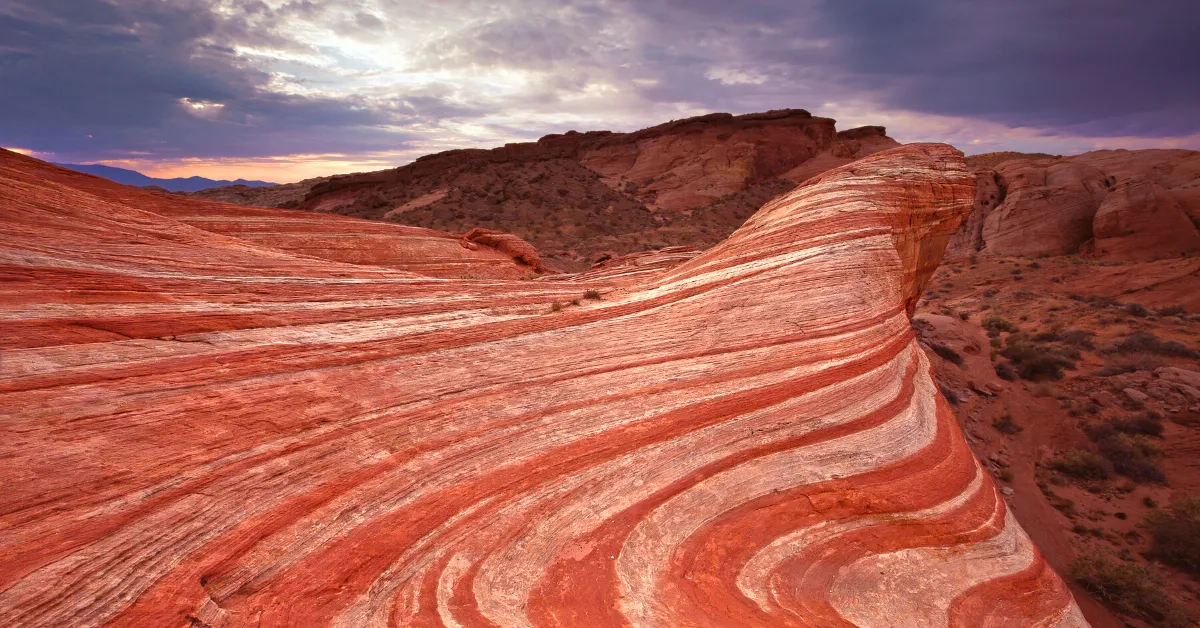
[[1180, 375]]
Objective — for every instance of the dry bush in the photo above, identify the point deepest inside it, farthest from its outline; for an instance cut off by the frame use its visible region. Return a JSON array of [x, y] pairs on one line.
[[1142, 424], [1006, 425], [1176, 534], [1004, 370], [1146, 342], [1082, 464], [1130, 456], [1035, 361], [1129, 588], [948, 354], [996, 324], [1118, 364]]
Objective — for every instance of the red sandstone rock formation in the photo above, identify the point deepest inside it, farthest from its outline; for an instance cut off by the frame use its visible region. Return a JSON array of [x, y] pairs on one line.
[[576, 196], [1123, 205], [327, 237], [749, 437]]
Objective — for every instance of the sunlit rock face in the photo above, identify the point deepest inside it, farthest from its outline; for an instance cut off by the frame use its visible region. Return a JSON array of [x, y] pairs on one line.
[[1138, 205], [200, 428]]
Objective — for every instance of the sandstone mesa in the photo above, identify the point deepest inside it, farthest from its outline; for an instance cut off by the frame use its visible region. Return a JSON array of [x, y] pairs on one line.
[[236, 416]]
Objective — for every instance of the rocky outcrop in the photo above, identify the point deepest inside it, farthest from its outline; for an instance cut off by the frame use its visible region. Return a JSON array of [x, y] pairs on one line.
[[748, 436], [578, 196], [684, 165], [1120, 205], [1048, 208]]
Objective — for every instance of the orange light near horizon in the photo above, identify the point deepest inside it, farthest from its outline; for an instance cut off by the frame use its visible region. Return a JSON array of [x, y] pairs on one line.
[[277, 168], [22, 151]]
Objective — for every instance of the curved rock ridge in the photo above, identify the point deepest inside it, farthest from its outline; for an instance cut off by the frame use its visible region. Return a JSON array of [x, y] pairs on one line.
[[43, 187], [744, 437]]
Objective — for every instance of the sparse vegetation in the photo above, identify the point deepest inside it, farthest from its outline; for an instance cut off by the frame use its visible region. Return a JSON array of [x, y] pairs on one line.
[[1079, 338], [1129, 588], [1176, 534], [1082, 464], [1129, 455], [1036, 361], [997, 324], [1136, 309], [1143, 424], [946, 353], [593, 295], [1006, 425], [1147, 342], [1119, 364], [1004, 370]]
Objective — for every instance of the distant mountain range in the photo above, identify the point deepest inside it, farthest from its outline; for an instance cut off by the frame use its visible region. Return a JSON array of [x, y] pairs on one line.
[[133, 177]]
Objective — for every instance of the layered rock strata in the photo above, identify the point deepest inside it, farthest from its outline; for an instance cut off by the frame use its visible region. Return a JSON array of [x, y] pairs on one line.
[[745, 437]]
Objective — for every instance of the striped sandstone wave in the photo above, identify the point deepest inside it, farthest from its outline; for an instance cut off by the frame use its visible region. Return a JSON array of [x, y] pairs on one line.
[[207, 428]]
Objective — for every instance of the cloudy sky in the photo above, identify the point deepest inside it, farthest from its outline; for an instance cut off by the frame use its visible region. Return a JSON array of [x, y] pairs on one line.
[[286, 89]]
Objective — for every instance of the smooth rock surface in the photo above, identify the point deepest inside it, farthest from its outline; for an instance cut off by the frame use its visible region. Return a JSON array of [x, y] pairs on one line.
[[201, 428], [1130, 205]]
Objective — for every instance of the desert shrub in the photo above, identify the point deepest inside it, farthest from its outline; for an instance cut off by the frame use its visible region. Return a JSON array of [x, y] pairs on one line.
[[1130, 456], [990, 292], [1077, 338], [1117, 364], [594, 295], [1176, 534], [1136, 309], [1004, 370], [1006, 425], [1149, 502], [1036, 362], [1172, 310], [1141, 424], [1129, 588], [1146, 342], [556, 307], [948, 354], [1082, 464]]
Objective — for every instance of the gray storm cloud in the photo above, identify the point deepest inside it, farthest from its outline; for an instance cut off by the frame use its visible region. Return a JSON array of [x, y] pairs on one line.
[[90, 79]]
